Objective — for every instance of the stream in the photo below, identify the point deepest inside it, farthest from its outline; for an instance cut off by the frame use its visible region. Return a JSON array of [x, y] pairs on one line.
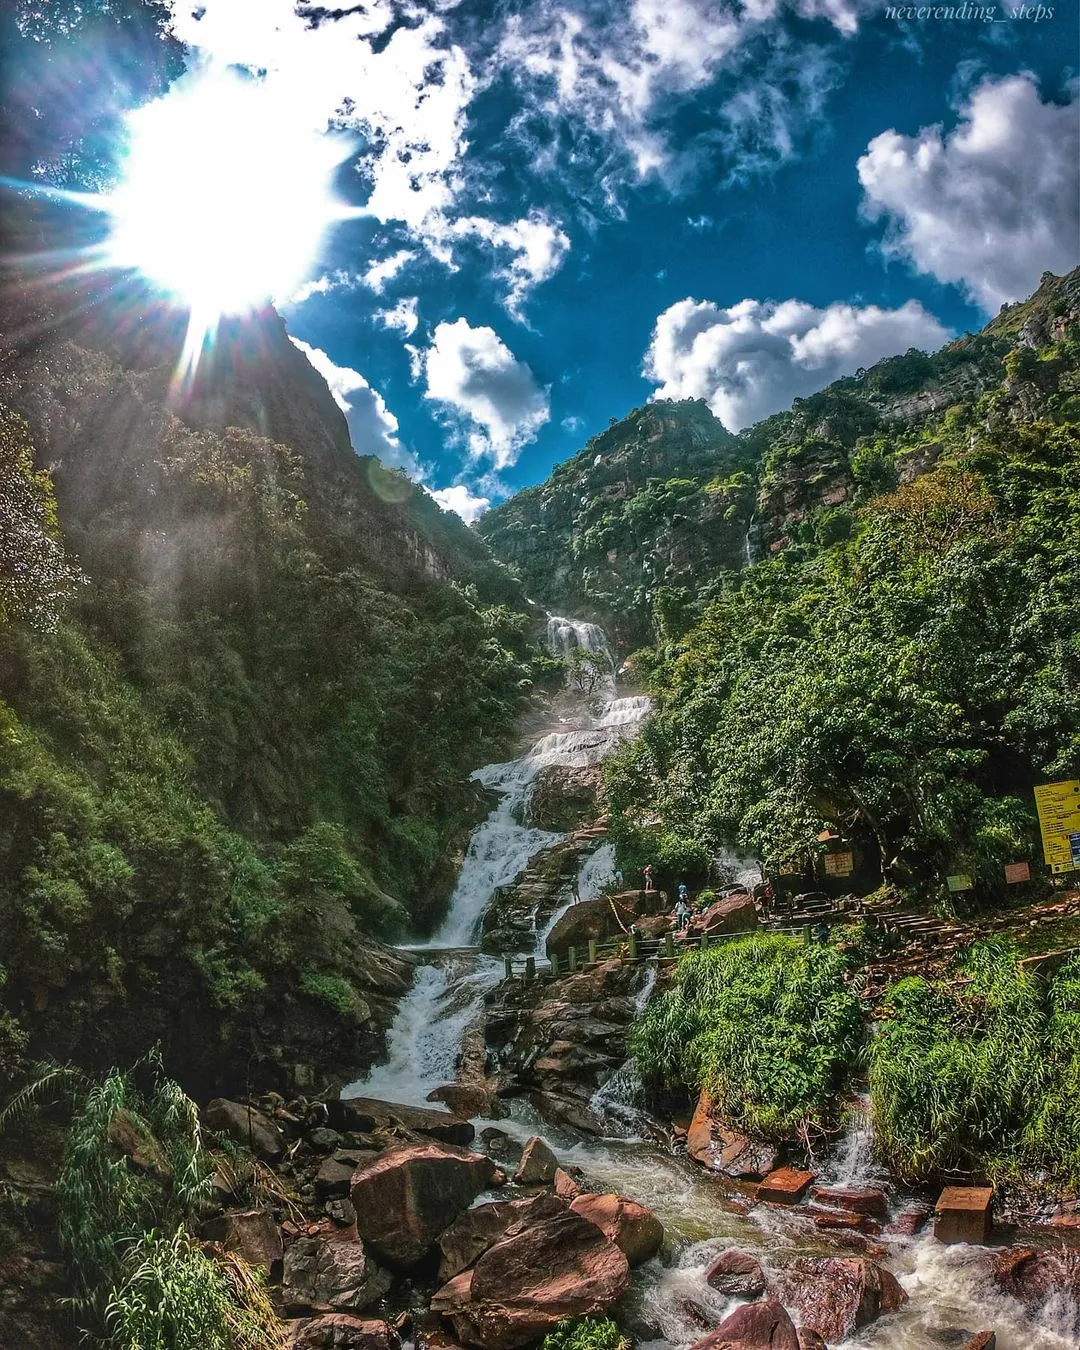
[[670, 1305]]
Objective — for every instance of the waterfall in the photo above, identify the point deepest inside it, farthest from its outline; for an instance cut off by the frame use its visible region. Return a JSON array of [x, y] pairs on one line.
[[598, 868], [749, 540], [424, 1040]]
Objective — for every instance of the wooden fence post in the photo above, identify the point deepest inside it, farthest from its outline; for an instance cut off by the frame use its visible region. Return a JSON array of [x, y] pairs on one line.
[[706, 940], [572, 955], [669, 944], [554, 959], [633, 947], [592, 951], [530, 969], [508, 968]]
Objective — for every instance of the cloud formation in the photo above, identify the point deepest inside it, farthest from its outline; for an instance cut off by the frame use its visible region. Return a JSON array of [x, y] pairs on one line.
[[372, 426], [475, 376], [751, 360], [462, 501], [538, 246], [402, 316], [990, 205]]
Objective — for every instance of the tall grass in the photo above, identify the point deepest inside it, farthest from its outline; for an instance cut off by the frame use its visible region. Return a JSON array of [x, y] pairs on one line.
[[980, 1071], [765, 1024]]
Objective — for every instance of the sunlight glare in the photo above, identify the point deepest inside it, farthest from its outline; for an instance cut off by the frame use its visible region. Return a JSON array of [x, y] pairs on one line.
[[225, 196]]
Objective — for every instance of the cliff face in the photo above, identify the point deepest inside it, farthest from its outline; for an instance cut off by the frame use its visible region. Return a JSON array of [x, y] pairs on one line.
[[631, 528]]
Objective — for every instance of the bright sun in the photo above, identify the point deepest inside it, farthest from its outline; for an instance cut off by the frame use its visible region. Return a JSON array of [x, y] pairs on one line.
[[224, 197]]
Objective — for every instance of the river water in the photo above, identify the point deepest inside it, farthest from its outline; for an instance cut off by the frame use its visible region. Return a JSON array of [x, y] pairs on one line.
[[671, 1305]]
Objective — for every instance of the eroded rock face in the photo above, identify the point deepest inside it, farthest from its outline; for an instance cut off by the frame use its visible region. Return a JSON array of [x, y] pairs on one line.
[[245, 1125], [563, 797], [755, 1326], [635, 1230], [737, 1274], [341, 1331], [365, 1114], [835, 1295], [407, 1197], [538, 1164], [721, 1149], [733, 914], [330, 1276], [531, 1279]]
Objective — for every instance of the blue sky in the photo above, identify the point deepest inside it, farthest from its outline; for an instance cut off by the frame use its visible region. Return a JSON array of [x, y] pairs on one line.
[[564, 207]]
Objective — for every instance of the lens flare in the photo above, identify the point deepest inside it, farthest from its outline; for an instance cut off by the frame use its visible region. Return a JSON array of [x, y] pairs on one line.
[[224, 199]]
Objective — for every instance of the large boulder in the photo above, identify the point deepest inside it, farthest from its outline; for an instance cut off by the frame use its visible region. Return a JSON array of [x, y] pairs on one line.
[[563, 796], [635, 1230], [252, 1233], [608, 916], [754, 1326], [538, 1164], [479, 1228], [330, 1276], [721, 1149], [245, 1125], [856, 1199], [365, 1114], [408, 1196], [835, 1295], [733, 914], [1035, 1276], [737, 1274], [340, 1331], [536, 1275]]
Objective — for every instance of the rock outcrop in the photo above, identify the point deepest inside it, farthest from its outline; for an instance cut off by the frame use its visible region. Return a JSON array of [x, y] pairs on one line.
[[635, 1230], [836, 1295], [323, 1275], [407, 1197], [340, 1331], [737, 1274], [720, 1148], [755, 1326]]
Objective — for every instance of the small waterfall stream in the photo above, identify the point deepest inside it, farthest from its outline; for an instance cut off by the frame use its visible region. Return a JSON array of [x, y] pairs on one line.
[[670, 1304]]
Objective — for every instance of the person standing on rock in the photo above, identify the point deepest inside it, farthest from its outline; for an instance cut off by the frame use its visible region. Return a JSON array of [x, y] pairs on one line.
[[646, 872], [682, 912]]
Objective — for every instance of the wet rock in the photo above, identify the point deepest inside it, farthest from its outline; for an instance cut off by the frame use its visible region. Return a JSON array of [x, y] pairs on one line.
[[785, 1186], [481, 1227], [335, 1174], [721, 1149], [962, 1214], [251, 1233], [755, 1326], [496, 1142], [859, 1199], [563, 796], [810, 1340], [246, 1126], [737, 1274], [330, 1276], [565, 1185], [843, 1219], [1035, 1276], [733, 914], [635, 1230], [342, 1332], [531, 1279], [982, 1340], [563, 1109], [538, 1164], [835, 1295], [407, 1197], [467, 1101], [366, 1114], [909, 1221]]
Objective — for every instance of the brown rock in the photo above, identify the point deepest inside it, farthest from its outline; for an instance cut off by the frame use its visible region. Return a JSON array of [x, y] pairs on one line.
[[366, 1114], [982, 1340], [131, 1136], [785, 1186], [251, 1233], [246, 1126], [721, 1149], [407, 1197], [531, 1279], [538, 1164], [464, 1101], [335, 1174], [909, 1221], [810, 1340], [754, 1326], [841, 1218], [479, 1228], [737, 1274], [635, 1230], [834, 1295], [565, 1185], [860, 1199], [733, 914], [342, 1332], [1033, 1276], [330, 1276]]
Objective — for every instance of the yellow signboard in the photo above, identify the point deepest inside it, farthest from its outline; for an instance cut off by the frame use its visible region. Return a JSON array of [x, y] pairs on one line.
[[1058, 805]]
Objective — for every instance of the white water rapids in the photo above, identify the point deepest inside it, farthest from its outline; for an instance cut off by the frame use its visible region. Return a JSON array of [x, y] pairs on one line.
[[949, 1289]]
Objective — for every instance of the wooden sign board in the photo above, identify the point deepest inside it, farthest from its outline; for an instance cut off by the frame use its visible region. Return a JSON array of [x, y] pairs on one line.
[[1018, 871], [839, 864], [962, 882], [1058, 805]]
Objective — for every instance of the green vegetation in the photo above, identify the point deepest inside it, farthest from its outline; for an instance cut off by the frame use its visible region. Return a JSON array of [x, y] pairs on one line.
[[764, 1024], [981, 1071], [586, 1333], [133, 1176]]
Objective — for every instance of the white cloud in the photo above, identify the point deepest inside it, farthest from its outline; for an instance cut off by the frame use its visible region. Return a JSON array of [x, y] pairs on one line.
[[461, 500], [754, 358], [473, 373], [989, 205], [379, 273], [538, 245], [372, 426], [329, 281], [403, 87], [401, 316]]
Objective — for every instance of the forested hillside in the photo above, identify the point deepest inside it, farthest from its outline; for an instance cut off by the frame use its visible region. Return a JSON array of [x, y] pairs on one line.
[[244, 676], [901, 662]]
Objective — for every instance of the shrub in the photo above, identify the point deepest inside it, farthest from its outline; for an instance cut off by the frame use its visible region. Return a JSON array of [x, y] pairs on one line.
[[586, 1333], [764, 1024]]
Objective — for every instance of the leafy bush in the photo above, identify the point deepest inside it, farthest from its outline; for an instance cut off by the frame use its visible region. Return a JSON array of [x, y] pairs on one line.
[[586, 1333], [764, 1024], [980, 1071]]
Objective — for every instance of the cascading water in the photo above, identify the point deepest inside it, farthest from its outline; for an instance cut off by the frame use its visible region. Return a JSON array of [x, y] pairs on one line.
[[424, 1040], [596, 871]]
